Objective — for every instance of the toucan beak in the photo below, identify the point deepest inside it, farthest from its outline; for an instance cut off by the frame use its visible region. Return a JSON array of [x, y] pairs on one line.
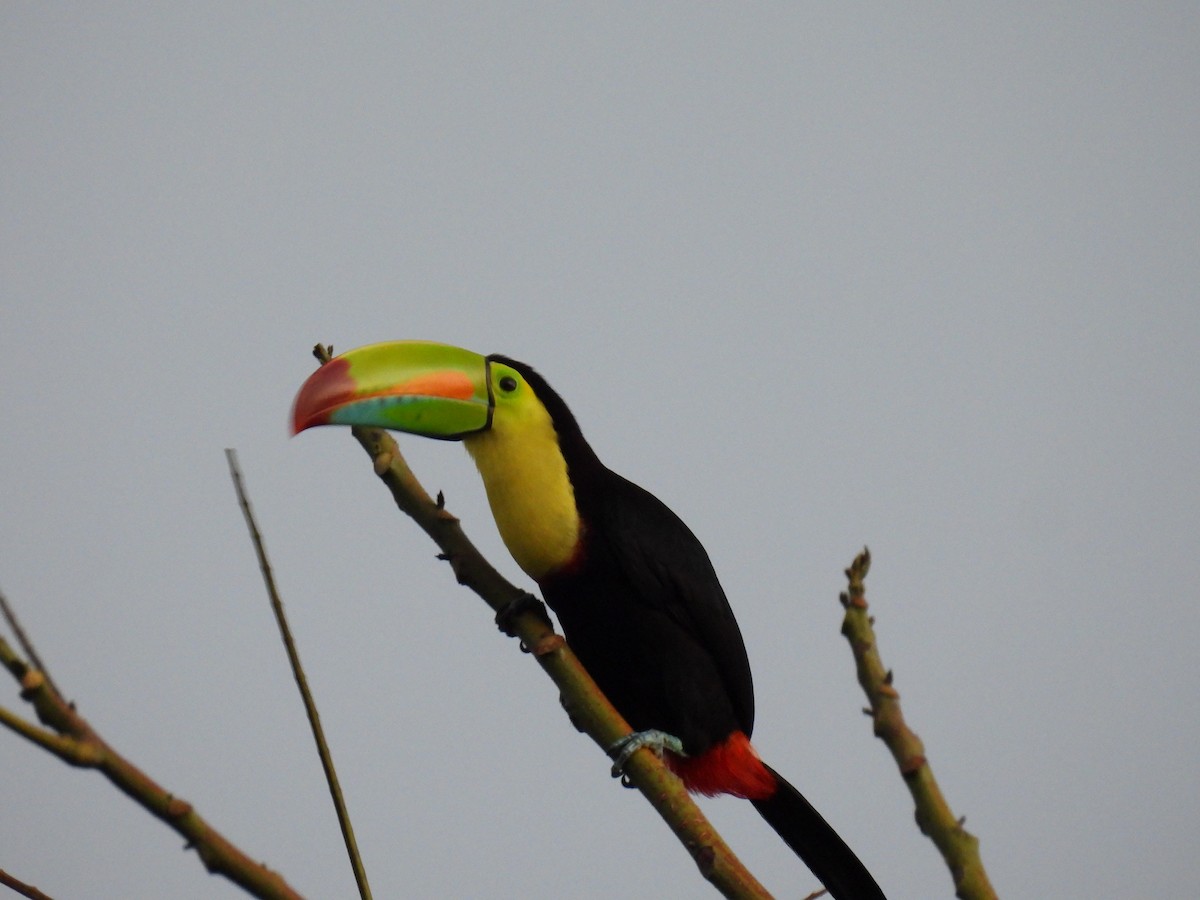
[[419, 387]]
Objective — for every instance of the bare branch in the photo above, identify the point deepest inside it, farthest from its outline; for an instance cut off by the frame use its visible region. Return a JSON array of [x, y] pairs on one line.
[[25, 890], [74, 741], [27, 648], [958, 847], [310, 706]]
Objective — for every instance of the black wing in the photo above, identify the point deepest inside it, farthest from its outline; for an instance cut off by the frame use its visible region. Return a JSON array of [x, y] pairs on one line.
[[668, 569]]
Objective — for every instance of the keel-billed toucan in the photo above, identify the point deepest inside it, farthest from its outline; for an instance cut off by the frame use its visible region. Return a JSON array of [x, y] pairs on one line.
[[632, 587]]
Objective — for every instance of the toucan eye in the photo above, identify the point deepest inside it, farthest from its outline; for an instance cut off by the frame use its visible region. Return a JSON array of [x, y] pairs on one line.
[[508, 384]]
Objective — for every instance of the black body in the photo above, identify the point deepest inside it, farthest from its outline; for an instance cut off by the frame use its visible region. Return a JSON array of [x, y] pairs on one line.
[[641, 606]]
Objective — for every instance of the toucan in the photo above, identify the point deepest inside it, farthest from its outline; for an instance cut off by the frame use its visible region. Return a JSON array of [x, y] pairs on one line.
[[633, 589]]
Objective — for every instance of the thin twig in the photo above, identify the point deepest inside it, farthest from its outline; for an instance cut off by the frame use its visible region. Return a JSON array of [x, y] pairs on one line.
[[959, 848], [310, 706], [78, 744], [23, 640], [25, 890]]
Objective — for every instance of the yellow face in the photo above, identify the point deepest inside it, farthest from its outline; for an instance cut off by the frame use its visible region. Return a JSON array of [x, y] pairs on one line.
[[525, 476]]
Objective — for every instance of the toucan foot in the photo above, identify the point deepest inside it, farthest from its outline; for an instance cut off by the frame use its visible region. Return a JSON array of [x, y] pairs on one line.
[[524, 602], [656, 740]]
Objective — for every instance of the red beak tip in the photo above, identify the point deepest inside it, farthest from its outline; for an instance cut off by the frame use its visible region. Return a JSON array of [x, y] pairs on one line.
[[304, 422], [323, 391]]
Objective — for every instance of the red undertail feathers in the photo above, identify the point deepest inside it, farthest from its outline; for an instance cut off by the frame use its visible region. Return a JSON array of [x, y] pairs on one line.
[[730, 767]]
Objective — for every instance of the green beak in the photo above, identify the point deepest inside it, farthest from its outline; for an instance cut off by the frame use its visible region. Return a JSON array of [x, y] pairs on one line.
[[420, 387]]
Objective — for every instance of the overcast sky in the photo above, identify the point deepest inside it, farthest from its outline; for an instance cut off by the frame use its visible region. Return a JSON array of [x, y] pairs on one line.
[[913, 276]]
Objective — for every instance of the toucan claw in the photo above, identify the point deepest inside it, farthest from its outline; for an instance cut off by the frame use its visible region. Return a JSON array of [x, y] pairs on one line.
[[656, 740], [524, 602]]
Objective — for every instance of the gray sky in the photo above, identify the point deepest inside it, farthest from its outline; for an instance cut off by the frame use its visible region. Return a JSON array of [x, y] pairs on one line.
[[921, 278]]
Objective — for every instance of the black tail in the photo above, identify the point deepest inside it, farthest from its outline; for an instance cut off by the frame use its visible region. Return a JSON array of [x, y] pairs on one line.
[[815, 842]]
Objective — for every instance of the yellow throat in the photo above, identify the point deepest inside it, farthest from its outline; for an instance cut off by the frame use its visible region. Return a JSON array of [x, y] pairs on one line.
[[528, 488]]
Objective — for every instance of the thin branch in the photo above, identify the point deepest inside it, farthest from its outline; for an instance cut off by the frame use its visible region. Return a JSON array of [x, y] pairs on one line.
[[958, 847], [60, 746], [78, 744], [25, 890], [310, 706], [27, 647], [523, 616]]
